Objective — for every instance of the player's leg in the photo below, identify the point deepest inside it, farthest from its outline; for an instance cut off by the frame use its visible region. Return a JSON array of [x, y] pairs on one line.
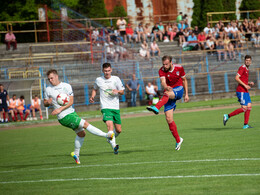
[[11, 111], [6, 114], [21, 114], [40, 112], [173, 128], [15, 114], [27, 112], [95, 131], [78, 144], [33, 112], [247, 112], [112, 142]]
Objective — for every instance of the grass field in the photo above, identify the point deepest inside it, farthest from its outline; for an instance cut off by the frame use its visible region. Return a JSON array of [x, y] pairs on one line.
[[213, 159]]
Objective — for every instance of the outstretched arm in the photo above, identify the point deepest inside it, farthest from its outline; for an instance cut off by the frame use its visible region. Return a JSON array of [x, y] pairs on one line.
[[93, 94]]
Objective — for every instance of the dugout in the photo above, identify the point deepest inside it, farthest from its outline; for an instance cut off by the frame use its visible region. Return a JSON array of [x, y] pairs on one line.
[[24, 87]]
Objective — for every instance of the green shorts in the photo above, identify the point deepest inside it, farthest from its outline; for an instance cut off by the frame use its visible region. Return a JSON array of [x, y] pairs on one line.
[[111, 115], [71, 121]]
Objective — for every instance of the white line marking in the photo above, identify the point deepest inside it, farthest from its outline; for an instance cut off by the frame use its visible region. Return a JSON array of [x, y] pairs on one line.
[[131, 178], [133, 163]]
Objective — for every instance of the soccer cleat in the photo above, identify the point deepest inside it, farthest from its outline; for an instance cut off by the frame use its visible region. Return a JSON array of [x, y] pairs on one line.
[[110, 135], [76, 158], [153, 109], [116, 148], [247, 127], [225, 119], [178, 145]]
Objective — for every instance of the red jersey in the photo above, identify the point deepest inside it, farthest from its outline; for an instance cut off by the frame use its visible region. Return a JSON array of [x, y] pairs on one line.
[[173, 77], [243, 74]]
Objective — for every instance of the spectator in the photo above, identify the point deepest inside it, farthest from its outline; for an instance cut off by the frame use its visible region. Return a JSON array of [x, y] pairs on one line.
[[156, 32], [161, 28], [111, 52], [193, 41], [10, 40], [147, 33], [170, 31], [210, 45], [229, 47], [181, 25], [257, 23], [180, 36], [186, 34], [254, 38], [150, 92], [220, 48], [3, 104], [227, 30], [133, 86], [95, 36], [202, 40], [112, 34], [140, 32], [179, 17], [155, 49], [215, 31], [130, 33], [122, 52], [36, 106], [207, 29], [233, 30], [121, 24], [12, 108], [144, 50], [21, 107], [196, 30]]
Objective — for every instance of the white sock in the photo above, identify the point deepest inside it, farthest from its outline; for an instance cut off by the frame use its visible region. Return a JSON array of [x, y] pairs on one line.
[[96, 131], [112, 142], [116, 133], [78, 143]]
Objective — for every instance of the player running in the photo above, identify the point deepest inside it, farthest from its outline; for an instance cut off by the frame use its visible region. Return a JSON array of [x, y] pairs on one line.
[[66, 114], [173, 81], [242, 93], [110, 87]]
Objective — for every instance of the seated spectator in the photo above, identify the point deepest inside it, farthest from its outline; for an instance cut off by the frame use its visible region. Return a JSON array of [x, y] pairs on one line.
[[193, 41], [202, 40], [161, 28], [180, 36], [147, 33], [95, 36], [121, 24], [221, 49], [233, 30], [257, 22], [170, 32], [155, 49], [196, 30], [140, 32], [181, 25], [130, 33], [10, 40], [12, 108], [215, 31], [227, 30], [254, 38], [207, 29], [36, 106], [150, 92], [157, 33], [229, 47], [20, 106], [210, 45], [186, 34], [111, 52], [144, 50], [186, 24]]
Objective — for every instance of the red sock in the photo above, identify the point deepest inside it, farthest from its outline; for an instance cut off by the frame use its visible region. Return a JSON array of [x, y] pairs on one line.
[[162, 101], [13, 118], [236, 112], [26, 116], [173, 129], [21, 115], [4, 115], [247, 114], [15, 114]]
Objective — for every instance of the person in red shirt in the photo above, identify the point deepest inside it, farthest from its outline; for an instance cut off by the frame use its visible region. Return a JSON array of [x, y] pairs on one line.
[[202, 40], [130, 33], [174, 82], [242, 93], [10, 40]]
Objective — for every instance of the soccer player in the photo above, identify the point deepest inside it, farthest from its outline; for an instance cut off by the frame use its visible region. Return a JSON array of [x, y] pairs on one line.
[[242, 93], [36, 106], [173, 81], [3, 104], [66, 114], [12, 107], [110, 87], [21, 107]]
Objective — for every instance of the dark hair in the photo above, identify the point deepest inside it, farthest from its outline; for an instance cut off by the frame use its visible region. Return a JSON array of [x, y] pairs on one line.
[[106, 65], [22, 97], [52, 71], [14, 95], [1, 84], [248, 57], [166, 58]]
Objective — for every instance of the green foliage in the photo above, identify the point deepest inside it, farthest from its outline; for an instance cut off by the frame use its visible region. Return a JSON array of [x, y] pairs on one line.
[[196, 14], [229, 5], [250, 5]]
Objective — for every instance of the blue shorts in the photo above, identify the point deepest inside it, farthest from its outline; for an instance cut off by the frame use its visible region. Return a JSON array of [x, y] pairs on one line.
[[178, 91], [243, 98]]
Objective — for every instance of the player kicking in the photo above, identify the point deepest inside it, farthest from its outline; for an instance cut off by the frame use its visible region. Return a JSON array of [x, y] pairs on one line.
[[173, 81], [110, 87], [242, 93], [66, 114]]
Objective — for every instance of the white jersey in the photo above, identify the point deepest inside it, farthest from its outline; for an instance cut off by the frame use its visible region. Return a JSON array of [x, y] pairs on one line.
[[54, 91], [107, 100], [151, 89]]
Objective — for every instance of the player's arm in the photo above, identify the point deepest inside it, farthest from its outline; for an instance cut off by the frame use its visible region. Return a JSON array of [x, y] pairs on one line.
[[237, 78], [47, 102], [164, 85], [60, 109], [93, 94], [185, 86]]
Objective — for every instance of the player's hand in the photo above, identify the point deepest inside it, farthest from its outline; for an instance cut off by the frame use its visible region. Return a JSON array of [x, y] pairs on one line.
[[56, 111], [91, 100], [49, 101], [114, 92], [186, 98], [130, 89], [247, 87], [251, 83], [168, 88]]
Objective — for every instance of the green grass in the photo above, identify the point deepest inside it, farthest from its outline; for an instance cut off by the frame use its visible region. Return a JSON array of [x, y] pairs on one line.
[[39, 158]]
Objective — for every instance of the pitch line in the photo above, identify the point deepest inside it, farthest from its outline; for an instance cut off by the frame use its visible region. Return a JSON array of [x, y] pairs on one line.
[[131, 178], [133, 163]]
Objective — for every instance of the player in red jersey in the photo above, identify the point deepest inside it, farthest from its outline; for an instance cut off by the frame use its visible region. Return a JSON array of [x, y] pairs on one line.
[[242, 93], [174, 82]]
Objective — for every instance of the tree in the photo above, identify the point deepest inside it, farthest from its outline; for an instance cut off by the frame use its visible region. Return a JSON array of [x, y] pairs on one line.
[[250, 5], [229, 5], [196, 17], [211, 6]]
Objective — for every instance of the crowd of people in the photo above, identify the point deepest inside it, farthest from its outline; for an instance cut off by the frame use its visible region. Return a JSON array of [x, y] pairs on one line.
[[16, 106]]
